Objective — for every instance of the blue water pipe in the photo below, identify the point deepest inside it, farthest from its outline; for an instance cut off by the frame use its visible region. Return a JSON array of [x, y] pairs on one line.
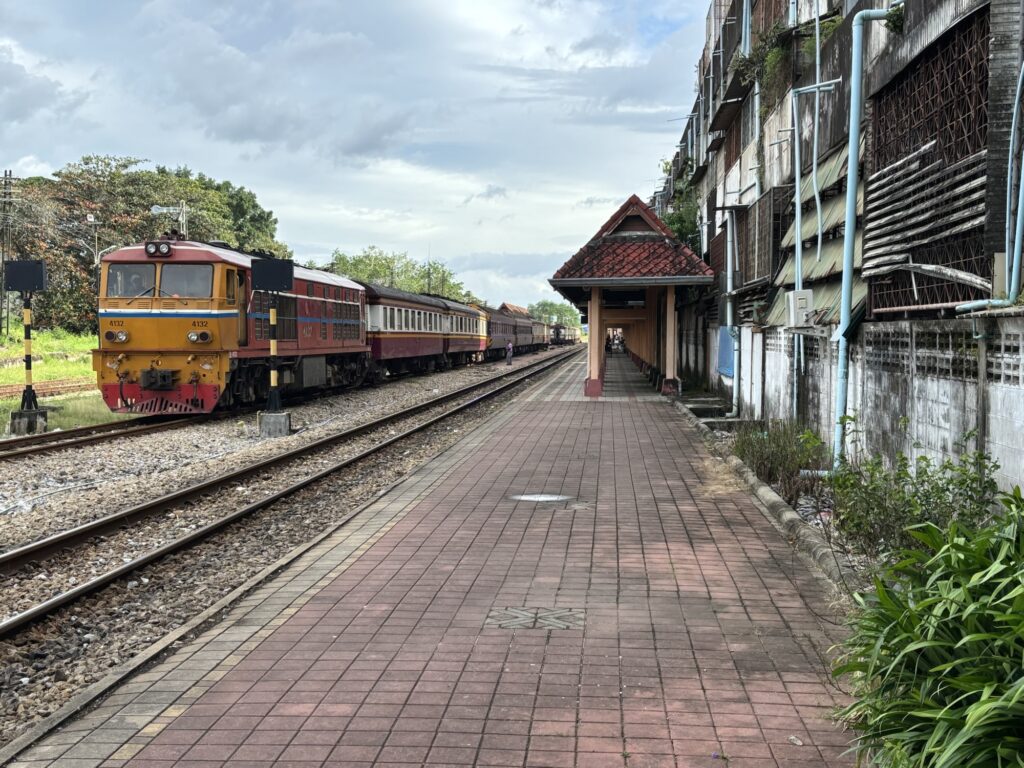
[[850, 227], [1012, 275]]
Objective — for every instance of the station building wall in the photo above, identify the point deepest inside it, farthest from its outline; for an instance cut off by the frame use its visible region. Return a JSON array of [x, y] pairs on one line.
[[924, 388]]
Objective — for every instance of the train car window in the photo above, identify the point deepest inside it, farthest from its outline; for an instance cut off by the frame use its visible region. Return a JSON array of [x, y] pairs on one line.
[[287, 328], [130, 280], [391, 318], [419, 321], [193, 281], [405, 316], [261, 314], [229, 286], [309, 288]]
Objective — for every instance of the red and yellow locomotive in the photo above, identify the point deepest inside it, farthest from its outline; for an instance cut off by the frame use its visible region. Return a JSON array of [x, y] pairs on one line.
[[181, 331]]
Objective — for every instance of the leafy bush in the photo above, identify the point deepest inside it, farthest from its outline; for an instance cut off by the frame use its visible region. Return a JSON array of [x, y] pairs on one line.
[[935, 651], [875, 503], [777, 453], [826, 30]]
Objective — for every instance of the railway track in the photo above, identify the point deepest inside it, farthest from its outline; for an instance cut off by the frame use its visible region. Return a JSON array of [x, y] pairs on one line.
[[50, 388], [14, 447], [70, 539]]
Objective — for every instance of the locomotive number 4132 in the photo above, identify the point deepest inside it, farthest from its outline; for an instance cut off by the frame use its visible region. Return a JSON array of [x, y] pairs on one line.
[[200, 323]]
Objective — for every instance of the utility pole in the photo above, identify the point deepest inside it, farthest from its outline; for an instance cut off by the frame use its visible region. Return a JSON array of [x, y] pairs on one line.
[[6, 239]]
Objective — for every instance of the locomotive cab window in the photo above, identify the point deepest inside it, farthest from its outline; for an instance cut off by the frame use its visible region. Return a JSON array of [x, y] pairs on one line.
[[130, 280], [193, 281], [229, 286]]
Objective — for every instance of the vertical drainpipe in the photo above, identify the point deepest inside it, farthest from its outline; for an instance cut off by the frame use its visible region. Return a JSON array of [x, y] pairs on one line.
[[730, 259], [798, 243], [817, 118], [850, 227]]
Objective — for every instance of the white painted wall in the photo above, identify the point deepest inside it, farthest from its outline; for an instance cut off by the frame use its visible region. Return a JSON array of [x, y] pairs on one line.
[[916, 393]]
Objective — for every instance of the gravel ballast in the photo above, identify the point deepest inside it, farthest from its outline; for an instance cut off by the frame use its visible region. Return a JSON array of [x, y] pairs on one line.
[[44, 494]]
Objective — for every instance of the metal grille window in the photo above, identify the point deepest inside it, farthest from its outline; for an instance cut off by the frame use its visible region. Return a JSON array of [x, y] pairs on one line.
[[924, 240]]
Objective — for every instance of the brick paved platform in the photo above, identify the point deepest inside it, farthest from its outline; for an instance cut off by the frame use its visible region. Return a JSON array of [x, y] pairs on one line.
[[651, 617]]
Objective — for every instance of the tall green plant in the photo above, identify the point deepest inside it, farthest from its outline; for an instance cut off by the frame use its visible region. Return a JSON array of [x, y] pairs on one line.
[[877, 501], [778, 451], [936, 652]]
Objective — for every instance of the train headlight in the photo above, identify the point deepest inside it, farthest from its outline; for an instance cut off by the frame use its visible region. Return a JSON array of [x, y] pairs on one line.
[[151, 249], [193, 336], [164, 249], [199, 337], [118, 336]]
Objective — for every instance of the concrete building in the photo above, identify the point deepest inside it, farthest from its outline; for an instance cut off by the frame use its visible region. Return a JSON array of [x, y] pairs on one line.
[[773, 95]]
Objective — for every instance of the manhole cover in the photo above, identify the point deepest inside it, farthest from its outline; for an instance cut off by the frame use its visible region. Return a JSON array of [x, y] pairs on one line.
[[536, 618], [540, 497]]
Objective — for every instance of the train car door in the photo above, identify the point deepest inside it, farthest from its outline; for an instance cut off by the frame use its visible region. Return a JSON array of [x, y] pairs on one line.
[[237, 294]]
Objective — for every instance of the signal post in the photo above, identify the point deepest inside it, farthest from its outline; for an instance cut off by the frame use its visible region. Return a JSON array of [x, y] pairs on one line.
[[273, 276], [26, 277]]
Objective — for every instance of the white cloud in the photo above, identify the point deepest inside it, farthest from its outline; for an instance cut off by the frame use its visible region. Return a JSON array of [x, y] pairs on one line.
[[498, 136]]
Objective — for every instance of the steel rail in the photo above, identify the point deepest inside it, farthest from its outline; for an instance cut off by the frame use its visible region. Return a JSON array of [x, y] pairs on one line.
[[30, 552], [97, 433]]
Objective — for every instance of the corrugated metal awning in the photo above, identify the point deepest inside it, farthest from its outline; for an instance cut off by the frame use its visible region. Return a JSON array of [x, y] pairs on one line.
[[830, 170], [833, 214], [827, 298], [831, 262]]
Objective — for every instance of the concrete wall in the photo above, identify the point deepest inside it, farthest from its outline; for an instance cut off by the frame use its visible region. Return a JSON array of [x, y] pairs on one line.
[[914, 387]]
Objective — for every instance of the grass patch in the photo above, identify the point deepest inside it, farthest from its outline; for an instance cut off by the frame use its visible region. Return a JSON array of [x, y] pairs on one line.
[[48, 370], [44, 343], [56, 354], [67, 411]]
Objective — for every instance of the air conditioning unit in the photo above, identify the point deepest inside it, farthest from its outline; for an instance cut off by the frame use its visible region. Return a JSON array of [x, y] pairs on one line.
[[800, 306]]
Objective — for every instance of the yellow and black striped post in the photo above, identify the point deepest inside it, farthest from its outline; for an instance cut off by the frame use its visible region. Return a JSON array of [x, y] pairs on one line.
[[28, 397], [274, 398]]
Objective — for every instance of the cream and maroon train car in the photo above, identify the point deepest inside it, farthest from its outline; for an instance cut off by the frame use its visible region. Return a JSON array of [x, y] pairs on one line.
[[181, 330], [409, 332]]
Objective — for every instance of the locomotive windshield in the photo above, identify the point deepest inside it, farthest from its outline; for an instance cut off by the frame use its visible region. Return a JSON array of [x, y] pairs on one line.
[[194, 281], [130, 280]]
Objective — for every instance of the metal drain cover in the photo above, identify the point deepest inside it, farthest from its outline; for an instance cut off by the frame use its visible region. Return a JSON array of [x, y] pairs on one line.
[[540, 497], [536, 618]]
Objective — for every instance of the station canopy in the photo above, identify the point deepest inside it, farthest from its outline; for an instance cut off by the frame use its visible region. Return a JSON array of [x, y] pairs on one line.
[[634, 249]]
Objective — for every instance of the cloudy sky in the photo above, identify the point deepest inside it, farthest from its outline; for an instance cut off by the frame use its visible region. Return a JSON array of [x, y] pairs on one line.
[[494, 134]]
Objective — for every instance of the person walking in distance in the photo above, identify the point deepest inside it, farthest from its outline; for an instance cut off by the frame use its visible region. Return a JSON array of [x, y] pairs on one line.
[[508, 353]]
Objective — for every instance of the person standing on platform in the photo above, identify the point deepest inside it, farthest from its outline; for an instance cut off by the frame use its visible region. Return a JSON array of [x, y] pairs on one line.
[[508, 353]]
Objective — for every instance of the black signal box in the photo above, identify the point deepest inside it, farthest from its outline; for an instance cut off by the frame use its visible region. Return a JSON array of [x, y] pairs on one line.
[[25, 276], [273, 274]]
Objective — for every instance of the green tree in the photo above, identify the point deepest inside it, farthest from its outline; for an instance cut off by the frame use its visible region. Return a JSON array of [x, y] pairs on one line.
[[51, 223], [565, 313], [683, 219], [401, 271]]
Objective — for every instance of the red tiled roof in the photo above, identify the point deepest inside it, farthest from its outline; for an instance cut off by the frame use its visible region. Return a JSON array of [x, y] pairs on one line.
[[515, 309], [633, 251]]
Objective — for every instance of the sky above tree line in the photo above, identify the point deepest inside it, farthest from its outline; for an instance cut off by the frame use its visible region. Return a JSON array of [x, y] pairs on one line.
[[497, 136]]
